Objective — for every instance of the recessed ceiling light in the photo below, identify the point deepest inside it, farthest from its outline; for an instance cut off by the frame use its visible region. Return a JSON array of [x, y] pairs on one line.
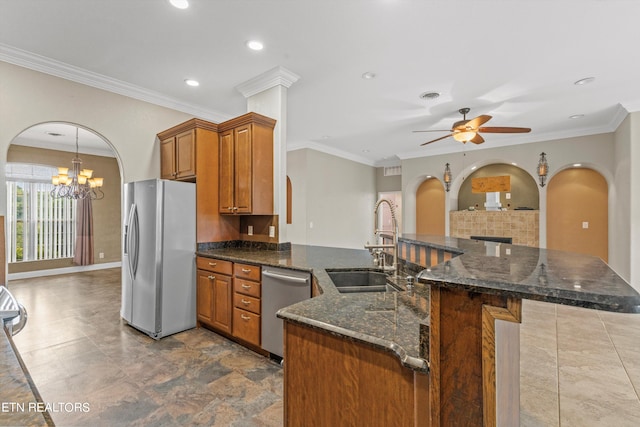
[[473, 168], [255, 45], [368, 75], [429, 96], [429, 176], [326, 136], [577, 165], [514, 163], [365, 151], [584, 81], [180, 4], [192, 82], [576, 116]]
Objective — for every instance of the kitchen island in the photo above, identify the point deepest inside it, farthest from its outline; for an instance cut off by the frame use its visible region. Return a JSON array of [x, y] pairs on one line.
[[473, 298]]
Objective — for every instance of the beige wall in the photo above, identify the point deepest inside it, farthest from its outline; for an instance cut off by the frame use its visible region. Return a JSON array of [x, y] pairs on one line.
[[129, 126], [106, 212], [385, 184], [336, 195]]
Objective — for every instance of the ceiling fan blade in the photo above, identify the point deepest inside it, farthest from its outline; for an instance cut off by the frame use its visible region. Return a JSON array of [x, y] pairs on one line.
[[500, 129], [432, 130], [438, 139], [477, 139], [475, 123]]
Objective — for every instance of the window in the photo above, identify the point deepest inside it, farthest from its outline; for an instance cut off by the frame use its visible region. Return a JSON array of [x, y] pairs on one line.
[[39, 227]]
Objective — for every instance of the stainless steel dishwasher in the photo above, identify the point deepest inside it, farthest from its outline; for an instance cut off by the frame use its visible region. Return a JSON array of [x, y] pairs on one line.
[[280, 288]]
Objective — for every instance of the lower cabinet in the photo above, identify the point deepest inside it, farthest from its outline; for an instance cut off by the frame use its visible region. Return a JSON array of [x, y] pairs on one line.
[[214, 293], [228, 299]]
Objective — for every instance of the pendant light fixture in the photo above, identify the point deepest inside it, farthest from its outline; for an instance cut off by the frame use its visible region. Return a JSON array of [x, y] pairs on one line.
[[77, 184], [543, 169]]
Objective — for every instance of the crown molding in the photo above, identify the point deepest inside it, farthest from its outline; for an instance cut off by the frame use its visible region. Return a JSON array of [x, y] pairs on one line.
[[274, 77], [330, 150], [55, 68]]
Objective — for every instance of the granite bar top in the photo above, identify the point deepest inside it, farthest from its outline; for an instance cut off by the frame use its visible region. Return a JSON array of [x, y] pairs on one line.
[[19, 406], [529, 273]]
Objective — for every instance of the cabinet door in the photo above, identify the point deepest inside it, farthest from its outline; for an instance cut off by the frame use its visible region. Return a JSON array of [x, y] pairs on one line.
[[168, 158], [204, 297], [222, 303], [186, 154], [243, 169], [246, 326], [225, 191]]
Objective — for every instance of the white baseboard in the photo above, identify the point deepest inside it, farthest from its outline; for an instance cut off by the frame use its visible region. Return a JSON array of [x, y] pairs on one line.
[[64, 270]]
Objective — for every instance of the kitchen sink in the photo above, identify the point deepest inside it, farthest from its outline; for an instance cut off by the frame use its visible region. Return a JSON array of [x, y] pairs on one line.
[[360, 281]]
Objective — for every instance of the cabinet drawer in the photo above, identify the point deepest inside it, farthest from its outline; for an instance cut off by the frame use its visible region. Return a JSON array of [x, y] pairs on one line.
[[246, 303], [246, 271], [246, 287], [246, 326], [211, 264]]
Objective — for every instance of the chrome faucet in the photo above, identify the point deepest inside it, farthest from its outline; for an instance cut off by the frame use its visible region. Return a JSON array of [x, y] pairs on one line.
[[377, 232]]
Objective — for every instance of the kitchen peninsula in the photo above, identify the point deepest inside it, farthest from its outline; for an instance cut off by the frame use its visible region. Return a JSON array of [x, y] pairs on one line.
[[425, 355]]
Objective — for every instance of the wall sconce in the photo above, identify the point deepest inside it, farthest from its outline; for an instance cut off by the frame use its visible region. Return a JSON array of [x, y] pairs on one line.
[[447, 177], [543, 169]]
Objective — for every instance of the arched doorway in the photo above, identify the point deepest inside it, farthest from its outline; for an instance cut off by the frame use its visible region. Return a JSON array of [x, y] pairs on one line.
[[48, 146], [577, 212], [430, 209]]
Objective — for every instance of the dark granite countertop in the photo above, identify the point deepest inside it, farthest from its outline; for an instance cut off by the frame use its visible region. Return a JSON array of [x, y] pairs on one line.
[[398, 322], [529, 273]]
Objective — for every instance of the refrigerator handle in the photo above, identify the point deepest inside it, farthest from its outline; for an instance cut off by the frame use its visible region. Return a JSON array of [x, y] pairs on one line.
[[135, 239], [131, 243]]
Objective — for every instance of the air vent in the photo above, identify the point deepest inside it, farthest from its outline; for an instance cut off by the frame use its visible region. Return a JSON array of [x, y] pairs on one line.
[[392, 170]]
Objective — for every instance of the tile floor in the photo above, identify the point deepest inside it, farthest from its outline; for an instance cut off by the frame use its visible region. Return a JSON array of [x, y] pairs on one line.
[[78, 350], [578, 367]]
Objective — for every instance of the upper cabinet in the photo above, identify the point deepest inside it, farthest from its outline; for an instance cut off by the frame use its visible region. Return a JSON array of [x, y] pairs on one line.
[[179, 148], [246, 165]]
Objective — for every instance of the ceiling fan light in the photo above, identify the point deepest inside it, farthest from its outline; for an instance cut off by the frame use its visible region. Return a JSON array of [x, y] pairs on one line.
[[464, 136]]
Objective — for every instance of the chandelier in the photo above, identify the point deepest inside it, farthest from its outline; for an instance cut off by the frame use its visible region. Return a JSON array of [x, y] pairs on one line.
[[77, 184]]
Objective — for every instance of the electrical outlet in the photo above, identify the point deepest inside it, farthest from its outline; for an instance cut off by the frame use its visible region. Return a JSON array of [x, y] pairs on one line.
[[508, 196], [507, 251], [250, 230], [101, 255], [585, 224], [310, 224], [272, 231]]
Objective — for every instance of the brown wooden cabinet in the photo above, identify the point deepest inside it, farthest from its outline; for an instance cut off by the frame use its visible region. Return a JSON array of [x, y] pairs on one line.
[[214, 293], [228, 299], [246, 165], [246, 303], [178, 156]]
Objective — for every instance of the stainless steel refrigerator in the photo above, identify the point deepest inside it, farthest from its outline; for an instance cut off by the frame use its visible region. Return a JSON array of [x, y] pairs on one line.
[[158, 260]]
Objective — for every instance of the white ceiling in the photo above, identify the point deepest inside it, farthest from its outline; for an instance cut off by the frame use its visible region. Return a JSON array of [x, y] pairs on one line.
[[516, 60]]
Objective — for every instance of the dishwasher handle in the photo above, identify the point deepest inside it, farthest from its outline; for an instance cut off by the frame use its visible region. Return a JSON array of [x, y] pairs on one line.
[[302, 280]]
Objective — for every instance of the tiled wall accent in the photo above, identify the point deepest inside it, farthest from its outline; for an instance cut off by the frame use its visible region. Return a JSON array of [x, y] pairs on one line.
[[522, 226]]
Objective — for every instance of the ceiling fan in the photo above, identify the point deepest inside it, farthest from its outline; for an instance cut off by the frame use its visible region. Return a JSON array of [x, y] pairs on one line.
[[469, 130]]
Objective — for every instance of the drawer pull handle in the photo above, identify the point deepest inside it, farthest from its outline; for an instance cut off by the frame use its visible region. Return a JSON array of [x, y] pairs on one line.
[[246, 286], [245, 302], [229, 208], [211, 277], [245, 317], [213, 264], [246, 270]]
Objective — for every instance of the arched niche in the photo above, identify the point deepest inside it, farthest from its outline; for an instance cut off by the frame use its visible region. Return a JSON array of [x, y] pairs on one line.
[[524, 189], [430, 207]]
